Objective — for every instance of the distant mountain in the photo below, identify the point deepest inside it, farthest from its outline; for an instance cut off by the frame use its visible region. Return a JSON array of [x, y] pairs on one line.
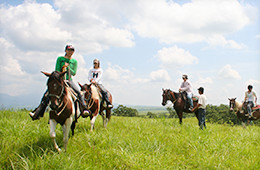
[[27, 101]]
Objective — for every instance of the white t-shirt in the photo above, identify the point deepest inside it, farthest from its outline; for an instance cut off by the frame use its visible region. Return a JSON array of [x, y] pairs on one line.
[[250, 96], [186, 86], [202, 101], [95, 74]]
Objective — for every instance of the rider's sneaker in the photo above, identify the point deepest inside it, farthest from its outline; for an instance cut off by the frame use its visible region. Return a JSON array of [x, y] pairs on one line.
[[246, 114], [110, 106]]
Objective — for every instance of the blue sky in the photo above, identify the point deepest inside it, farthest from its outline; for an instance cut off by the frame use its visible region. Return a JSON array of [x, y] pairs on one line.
[[143, 45]]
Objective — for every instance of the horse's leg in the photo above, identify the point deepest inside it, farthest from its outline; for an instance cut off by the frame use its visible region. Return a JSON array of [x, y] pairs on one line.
[[179, 113], [73, 125], [53, 124], [107, 118], [92, 122], [66, 131], [95, 115]]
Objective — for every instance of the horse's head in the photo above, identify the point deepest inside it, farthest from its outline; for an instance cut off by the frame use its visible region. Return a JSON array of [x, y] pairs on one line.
[[56, 88], [86, 89], [165, 96], [232, 103]]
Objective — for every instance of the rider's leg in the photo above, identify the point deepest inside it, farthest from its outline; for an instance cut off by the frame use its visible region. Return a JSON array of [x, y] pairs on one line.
[[39, 111], [105, 94], [249, 107], [189, 96], [80, 97]]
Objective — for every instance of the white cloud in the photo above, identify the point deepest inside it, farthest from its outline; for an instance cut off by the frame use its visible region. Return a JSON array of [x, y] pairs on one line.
[[227, 72], [33, 26], [219, 40], [175, 56], [159, 76], [258, 36], [196, 21]]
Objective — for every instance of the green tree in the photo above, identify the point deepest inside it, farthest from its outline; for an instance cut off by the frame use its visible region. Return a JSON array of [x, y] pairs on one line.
[[151, 115], [125, 111]]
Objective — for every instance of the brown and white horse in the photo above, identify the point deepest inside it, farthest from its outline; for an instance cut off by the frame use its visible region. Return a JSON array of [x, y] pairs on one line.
[[241, 113], [178, 102], [63, 109], [96, 104]]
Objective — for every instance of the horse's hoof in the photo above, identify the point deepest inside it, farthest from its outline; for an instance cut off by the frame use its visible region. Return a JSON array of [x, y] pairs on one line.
[[59, 150]]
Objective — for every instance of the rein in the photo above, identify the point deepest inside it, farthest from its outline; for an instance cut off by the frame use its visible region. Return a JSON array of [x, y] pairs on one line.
[[174, 100]]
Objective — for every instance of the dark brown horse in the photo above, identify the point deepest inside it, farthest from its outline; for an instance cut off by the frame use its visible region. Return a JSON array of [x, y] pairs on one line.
[[178, 102], [241, 110], [63, 109], [96, 104]]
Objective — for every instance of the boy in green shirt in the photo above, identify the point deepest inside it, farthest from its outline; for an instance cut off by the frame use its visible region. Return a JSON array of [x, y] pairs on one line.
[[63, 63]]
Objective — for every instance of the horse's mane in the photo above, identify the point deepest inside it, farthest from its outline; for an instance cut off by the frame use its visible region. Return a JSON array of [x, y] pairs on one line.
[[176, 95]]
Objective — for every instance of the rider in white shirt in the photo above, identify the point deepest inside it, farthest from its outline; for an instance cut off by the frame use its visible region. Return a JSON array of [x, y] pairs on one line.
[[94, 76], [251, 98], [186, 86]]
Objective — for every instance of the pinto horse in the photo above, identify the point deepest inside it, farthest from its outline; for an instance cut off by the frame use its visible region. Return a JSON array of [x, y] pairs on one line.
[[96, 104], [63, 109], [241, 113], [178, 102]]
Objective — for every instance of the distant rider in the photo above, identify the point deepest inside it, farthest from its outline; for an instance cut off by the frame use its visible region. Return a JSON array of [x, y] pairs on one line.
[[186, 86], [250, 97]]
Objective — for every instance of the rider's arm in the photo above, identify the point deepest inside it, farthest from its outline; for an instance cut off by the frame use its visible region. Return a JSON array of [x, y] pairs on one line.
[[58, 66], [255, 97], [73, 67], [98, 79], [245, 96]]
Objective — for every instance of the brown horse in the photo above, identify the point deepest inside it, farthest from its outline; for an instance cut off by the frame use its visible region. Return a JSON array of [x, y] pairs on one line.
[[178, 102], [63, 109], [96, 104], [241, 110]]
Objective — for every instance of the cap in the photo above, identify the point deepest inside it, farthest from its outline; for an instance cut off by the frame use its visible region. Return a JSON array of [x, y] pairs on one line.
[[201, 89], [69, 47], [185, 76]]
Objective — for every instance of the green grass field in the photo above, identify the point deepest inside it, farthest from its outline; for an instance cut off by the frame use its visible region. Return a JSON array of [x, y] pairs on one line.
[[127, 143]]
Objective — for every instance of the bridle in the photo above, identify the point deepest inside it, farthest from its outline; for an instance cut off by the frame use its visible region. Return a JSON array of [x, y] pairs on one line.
[[170, 97], [57, 96]]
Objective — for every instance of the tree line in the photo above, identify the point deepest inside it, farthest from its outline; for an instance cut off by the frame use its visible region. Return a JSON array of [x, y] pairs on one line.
[[214, 114]]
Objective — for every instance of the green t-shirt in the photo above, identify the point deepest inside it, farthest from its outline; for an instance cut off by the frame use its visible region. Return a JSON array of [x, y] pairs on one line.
[[72, 68]]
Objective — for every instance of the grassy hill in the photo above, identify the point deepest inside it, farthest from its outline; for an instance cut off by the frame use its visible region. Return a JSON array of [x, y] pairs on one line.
[[127, 143]]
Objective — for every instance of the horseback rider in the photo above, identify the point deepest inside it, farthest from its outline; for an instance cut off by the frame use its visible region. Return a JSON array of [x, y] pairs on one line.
[[186, 86], [94, 76], [63, 63], [250, 98]]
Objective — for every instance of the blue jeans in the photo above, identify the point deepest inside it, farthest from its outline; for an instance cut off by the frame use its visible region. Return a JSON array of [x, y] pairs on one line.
[[202, 118], [189, 96], [249, 107]]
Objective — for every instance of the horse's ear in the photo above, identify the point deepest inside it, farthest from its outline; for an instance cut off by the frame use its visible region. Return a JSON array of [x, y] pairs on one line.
[[63, 73], [162, 89], [235, 98], [229, 99], [46, 74], [81, 87]]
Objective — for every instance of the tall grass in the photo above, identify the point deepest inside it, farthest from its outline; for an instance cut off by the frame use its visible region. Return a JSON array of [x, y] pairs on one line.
[[127, 143]]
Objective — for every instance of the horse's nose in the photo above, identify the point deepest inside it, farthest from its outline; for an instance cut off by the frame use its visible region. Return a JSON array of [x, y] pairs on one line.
[[231, 109], [163, 104]]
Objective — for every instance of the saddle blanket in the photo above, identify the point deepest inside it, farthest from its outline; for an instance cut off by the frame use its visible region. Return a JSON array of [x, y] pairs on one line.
[[256, 108]]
